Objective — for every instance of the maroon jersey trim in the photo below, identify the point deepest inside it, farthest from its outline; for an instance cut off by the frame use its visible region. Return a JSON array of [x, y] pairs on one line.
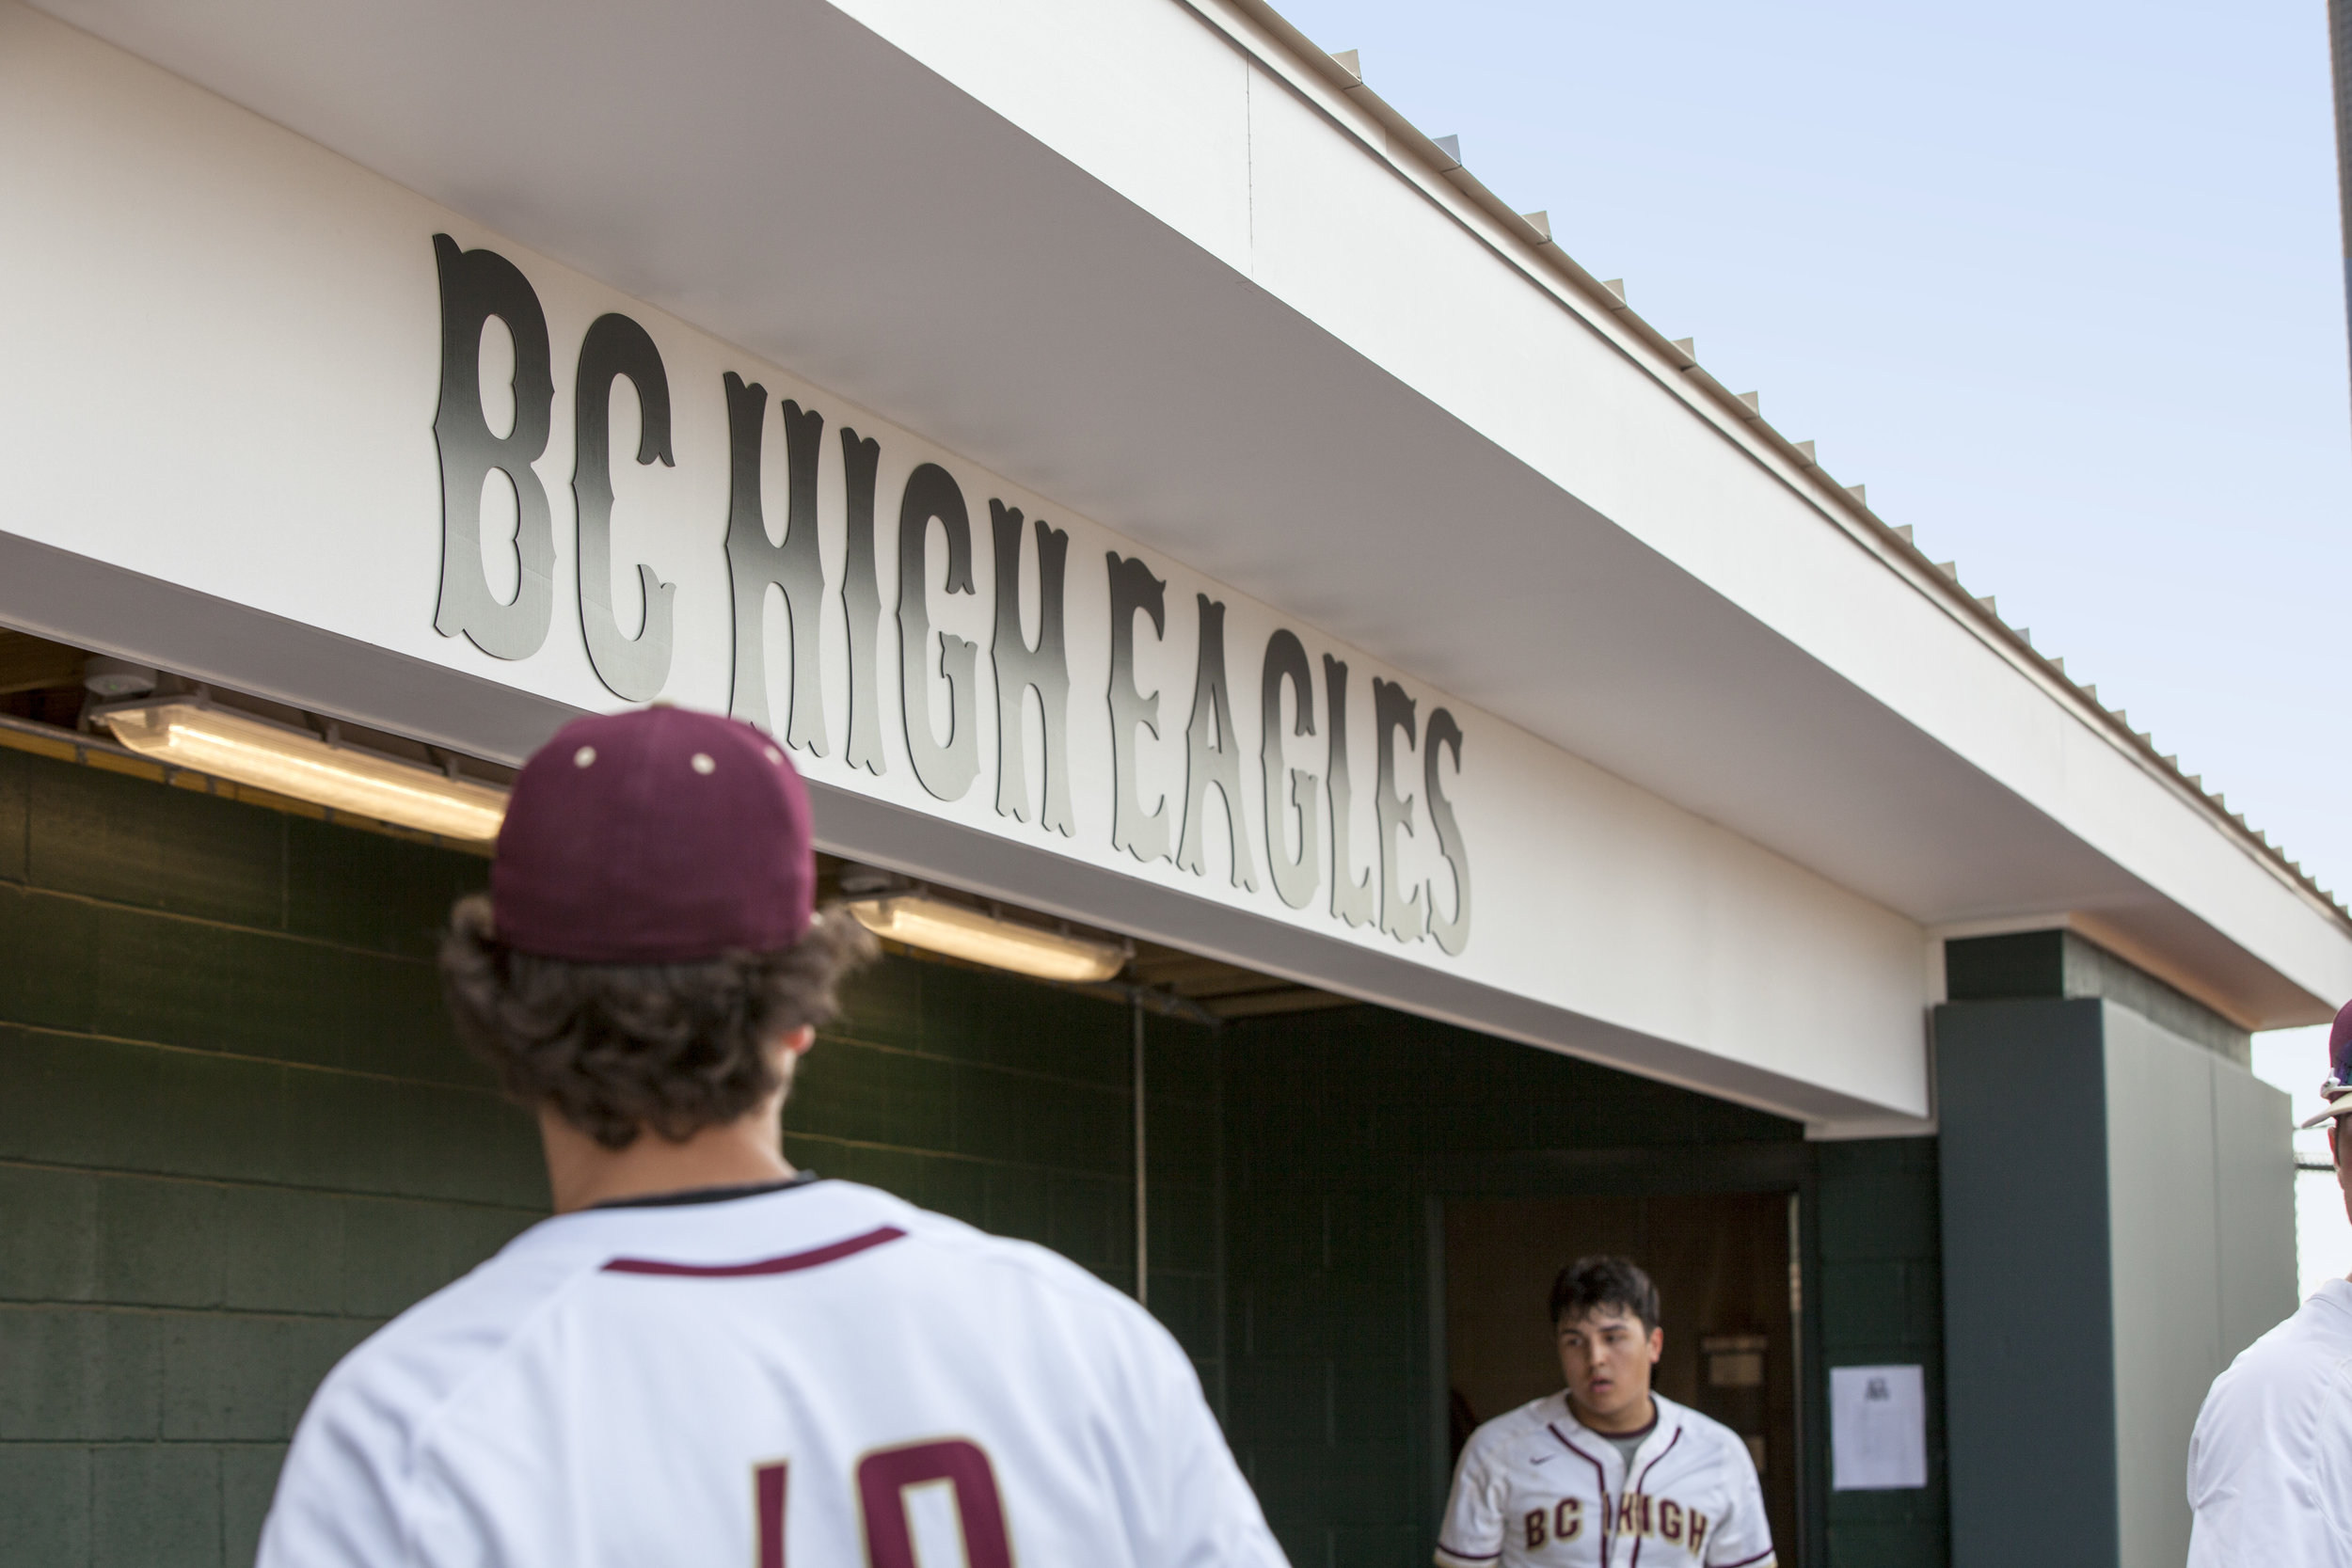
[[1635, 1485], [1600, 1479], [791, 1262]]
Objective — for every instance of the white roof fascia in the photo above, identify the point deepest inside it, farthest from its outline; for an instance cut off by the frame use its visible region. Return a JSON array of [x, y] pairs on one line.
[[1378, 133], [1153, 99]]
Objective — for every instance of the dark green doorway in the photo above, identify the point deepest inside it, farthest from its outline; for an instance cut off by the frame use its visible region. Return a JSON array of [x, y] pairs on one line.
[[1721, 1261]]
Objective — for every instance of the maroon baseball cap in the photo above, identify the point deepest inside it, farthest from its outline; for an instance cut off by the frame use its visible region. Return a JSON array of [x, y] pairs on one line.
[[2337, 1088], [660, 835]]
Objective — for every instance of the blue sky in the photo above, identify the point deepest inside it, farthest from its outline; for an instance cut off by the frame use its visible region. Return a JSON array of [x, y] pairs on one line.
[[2062, 284]]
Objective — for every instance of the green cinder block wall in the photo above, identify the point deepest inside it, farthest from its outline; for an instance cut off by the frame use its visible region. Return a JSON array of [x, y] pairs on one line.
[[1878, 1267], [1010, 1106], [1345, 1133], [236, 1136]]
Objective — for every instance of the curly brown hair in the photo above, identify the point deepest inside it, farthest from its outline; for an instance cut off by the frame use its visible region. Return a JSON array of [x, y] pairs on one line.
[[619, 1048]]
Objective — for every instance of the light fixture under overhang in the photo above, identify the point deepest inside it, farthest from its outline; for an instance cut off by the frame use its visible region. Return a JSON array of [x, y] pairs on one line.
[[187, 732], [940, 927]]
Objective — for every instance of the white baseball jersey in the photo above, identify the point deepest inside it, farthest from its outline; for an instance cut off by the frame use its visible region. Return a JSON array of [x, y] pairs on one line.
[[1535, 1487], [2270, 1461], [820, 1375]]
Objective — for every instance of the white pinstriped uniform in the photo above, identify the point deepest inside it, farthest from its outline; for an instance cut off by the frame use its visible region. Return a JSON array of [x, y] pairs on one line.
[[819, 1375], [1535, 1487]]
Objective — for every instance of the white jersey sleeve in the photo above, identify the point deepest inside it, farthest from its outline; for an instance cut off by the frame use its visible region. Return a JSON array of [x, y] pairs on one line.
[[1202, 1513], [346, 1493], [334, 1508], [1472, 1536]]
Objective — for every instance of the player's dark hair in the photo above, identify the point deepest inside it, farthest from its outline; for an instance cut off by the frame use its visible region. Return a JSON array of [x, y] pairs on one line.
[[1602, 1280], [618, 1048]]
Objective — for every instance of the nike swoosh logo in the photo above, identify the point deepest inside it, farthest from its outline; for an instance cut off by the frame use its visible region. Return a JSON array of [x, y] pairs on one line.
[[1543, 1459]]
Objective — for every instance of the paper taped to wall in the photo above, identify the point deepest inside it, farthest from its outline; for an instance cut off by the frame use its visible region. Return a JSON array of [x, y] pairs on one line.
[[1877, 1427]]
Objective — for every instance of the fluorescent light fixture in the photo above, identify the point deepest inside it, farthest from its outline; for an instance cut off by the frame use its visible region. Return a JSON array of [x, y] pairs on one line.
[[188, 733], [982, 938]]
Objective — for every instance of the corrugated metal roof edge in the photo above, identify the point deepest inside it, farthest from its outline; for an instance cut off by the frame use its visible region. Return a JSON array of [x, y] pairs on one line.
[[1939, 579]]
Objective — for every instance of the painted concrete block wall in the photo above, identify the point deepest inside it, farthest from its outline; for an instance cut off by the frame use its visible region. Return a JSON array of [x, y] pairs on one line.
[[1009, 1106], [1341, 1128], [1878, 1301], [235, 1135]]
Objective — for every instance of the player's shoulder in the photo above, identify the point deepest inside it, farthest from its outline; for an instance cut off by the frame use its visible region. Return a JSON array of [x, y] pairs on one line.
[[967, 1245], [372, 1411], [2306, 1358], [1704, 1435], [1036, 1292], [1504, 1439], [391, 1387], [425, 1356], [2319, 1332], [962, 1254], [425, 1353]]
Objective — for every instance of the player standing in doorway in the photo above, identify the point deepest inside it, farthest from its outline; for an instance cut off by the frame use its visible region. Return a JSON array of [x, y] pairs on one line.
[[2270, 1460], [707, 1356], [1606, 1473]]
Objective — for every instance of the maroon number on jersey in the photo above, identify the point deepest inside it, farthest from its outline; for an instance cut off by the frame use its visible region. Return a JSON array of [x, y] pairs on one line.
[[767, 1483], [883, 1479]]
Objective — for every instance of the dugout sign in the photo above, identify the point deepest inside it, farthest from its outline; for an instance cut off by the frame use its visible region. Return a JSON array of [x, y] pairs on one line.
[[915, 627], [457, 488]]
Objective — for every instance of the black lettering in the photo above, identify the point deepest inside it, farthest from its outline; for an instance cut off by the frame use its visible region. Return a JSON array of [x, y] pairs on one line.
[[1212, 759], [1444, 734], [946, 769], [754, 562], [861, 601], [632, 668], [1019, 667], [1141, 834], [1393, 713], [1295, 877], [475, 286], [1351, 894]]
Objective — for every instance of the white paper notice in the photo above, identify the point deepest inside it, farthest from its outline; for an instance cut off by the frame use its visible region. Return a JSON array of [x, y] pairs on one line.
[[1878, 1428]]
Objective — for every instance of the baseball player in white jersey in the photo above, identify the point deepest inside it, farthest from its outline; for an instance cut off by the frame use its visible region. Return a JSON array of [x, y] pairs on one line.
[[2270, 1460], [707, 1357], [1606, 1473]]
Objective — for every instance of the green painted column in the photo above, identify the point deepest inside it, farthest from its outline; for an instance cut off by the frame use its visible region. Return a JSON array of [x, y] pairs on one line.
[[2117, 1220]]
